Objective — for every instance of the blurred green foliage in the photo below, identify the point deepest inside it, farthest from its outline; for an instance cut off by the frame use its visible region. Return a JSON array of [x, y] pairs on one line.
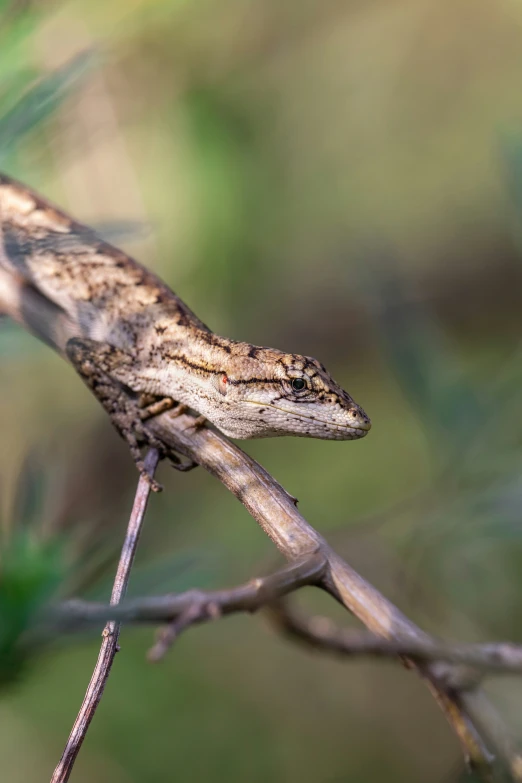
[[272, 148], [29, 578], [37, 103]]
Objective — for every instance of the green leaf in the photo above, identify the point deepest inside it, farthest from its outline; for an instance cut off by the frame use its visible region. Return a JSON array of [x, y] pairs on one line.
[[41, 101], [30, 574]]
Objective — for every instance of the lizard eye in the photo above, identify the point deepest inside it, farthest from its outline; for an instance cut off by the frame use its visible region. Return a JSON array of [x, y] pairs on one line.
[[298, 384]]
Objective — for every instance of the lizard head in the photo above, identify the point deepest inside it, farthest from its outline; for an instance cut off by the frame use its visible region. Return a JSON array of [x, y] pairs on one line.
[[266, 393]]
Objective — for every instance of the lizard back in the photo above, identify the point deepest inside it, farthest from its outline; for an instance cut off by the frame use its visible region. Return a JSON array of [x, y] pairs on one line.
[[99, 291]]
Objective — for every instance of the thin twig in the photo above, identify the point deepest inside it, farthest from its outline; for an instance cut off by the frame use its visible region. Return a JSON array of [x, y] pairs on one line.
[[201, 607], [248, 597], [323, 634], [199, 612], [185, 609], [109, 646]]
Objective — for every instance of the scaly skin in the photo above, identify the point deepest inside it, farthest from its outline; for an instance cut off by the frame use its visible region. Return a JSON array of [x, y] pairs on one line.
[[103, 311]]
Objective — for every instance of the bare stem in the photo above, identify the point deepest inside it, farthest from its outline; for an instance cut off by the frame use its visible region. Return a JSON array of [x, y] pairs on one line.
[[109, 646], [323, 634], [201, 607], [248, 597], [275, 511], [318, 632]]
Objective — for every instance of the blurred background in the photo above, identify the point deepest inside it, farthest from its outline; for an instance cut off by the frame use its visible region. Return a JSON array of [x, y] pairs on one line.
[[339, 179]]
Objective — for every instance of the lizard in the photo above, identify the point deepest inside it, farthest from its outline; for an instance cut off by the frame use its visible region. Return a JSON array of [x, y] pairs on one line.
[[140, 348]]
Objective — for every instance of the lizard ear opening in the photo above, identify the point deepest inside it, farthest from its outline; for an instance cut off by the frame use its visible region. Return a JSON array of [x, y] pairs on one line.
[[220, 382]]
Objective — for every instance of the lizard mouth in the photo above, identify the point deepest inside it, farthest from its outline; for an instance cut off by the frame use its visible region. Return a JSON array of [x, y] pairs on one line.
[[360, 429]]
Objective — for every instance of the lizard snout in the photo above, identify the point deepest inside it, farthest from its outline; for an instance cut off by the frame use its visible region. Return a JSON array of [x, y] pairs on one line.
[[359, 419]]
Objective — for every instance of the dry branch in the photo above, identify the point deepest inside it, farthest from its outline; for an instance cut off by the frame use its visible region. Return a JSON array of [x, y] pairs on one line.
[[192, 607], [275, 510], [203, 606], [249, 597], [323, 634], [109, 645]]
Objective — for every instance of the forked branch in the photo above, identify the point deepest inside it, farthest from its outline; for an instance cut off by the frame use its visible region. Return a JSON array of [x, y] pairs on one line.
[[487, 743], [179, 611], [468, 711]]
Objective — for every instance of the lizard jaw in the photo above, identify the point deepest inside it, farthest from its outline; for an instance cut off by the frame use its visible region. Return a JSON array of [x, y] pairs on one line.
[[275, 420], [327, 429]]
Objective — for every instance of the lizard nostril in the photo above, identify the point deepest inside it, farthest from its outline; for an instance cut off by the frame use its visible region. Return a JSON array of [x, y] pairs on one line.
[[362, 419]]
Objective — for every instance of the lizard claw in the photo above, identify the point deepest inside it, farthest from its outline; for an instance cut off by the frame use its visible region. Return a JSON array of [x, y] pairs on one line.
[[183, 467], [197, 423]]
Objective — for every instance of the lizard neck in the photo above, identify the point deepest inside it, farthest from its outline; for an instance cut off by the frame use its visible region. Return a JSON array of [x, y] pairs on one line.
[[188, 353]]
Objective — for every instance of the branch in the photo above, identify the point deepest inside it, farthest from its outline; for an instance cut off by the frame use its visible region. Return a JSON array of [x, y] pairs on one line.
[[318, 632], [201, 607], [248, 597], [190, 607], [275, 510], [109, 646], [323, 634], [197, 606]]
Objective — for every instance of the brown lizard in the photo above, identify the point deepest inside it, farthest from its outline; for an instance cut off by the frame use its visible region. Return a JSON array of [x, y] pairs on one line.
[[140, 348]]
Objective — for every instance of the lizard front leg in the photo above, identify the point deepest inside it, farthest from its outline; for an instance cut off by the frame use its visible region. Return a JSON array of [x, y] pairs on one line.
[[97, 363], [150, 405]]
